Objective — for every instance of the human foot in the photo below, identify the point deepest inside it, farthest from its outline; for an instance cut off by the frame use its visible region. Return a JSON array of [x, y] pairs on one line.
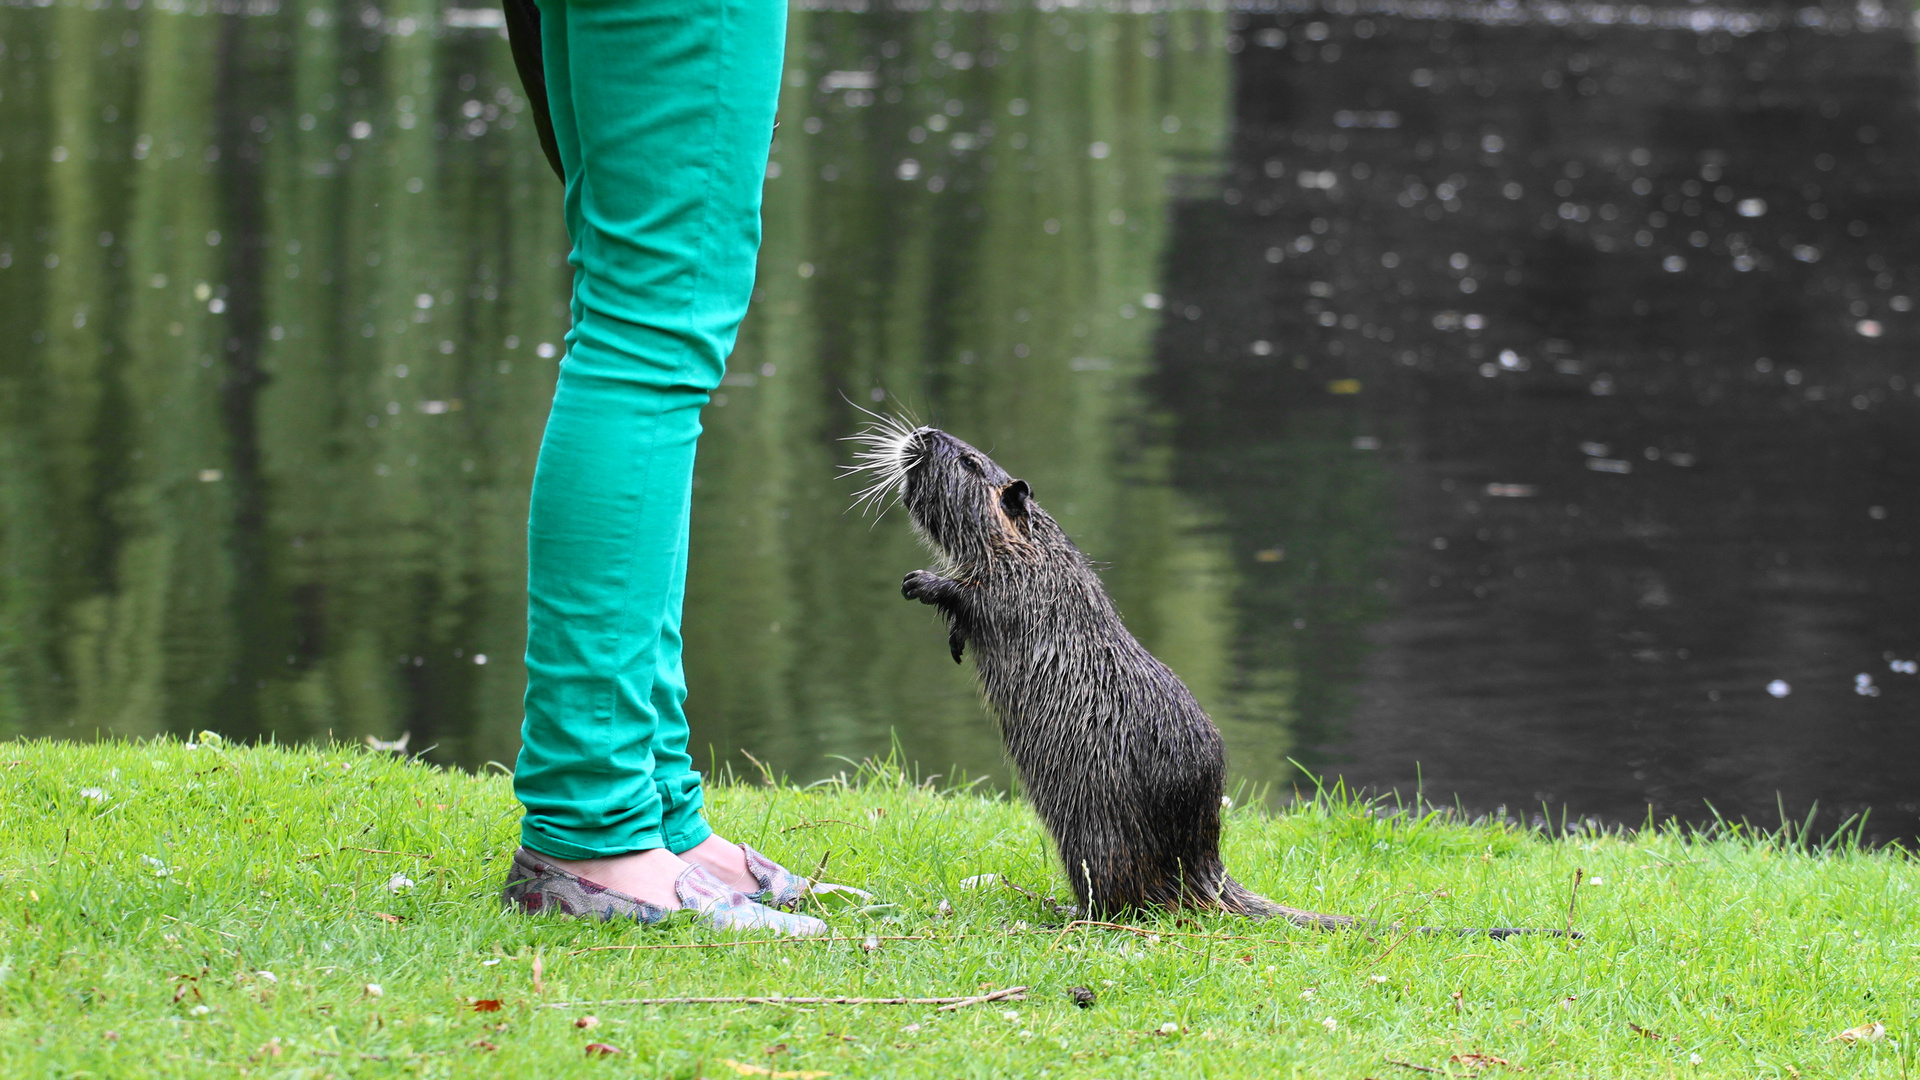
[[536, 884], [759, 877], [725, 860], [644, 875]]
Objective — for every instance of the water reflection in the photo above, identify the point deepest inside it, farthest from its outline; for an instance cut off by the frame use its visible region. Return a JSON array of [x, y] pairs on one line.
[[1630, 425], [1508, 392]]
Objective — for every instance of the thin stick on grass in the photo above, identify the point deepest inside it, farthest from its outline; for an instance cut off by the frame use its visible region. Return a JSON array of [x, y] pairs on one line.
[[947, 1004], [368, 850], [1410, 1065], [805, 824], [1573, 898], [1075, 925], [1408, 931]]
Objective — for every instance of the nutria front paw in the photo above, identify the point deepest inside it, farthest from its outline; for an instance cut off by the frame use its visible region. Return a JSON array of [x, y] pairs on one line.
[[925, 586]]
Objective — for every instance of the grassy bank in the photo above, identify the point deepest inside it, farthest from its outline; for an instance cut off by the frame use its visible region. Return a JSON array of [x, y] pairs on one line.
[[175, 911]]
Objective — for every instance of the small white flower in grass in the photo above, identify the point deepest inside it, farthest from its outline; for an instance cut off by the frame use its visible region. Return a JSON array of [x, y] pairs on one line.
[[1307, 994], [1596, 881], [160, 869], [399, 883], [373, 990], [1694, 1059], [199, 1010], [1169, 1028], [94, 793], [1330, 1023], [266, 976], [1011, 1014], [1377, 978], [489, 963], [1026, 1034]]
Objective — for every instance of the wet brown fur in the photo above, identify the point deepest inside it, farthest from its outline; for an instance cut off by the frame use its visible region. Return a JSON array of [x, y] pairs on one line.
[[1118, 759]]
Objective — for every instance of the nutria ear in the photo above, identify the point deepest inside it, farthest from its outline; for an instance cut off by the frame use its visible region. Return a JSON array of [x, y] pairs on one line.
[[1013, 498]]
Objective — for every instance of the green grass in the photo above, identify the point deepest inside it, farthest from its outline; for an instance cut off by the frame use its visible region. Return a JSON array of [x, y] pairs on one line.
[[1748, 954]]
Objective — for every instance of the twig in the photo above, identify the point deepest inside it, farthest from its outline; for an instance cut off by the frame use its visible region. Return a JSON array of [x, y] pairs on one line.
[[65, 839], [1035, 897], [1573, 898], [1075, 925], [1410, 1065], [766, 774], [1392, 945], [805, 824], [371, 851], [1011, 993], [947, 1003]]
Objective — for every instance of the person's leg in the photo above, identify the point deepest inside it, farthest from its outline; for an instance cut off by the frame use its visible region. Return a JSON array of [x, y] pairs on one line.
[[663, 110]]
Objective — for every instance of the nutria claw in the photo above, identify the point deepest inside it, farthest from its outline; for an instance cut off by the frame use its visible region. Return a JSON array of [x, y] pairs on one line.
[[924, 586], [943, 593]]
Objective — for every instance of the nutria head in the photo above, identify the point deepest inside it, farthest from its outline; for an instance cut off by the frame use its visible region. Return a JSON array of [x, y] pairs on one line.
[[963, 504]]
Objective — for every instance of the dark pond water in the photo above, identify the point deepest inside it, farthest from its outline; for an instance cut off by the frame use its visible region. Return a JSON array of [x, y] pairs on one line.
[[1514, 400]]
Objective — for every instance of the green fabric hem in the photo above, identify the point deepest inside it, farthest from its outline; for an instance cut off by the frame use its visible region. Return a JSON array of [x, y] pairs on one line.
[[561, 849], [690, 837]]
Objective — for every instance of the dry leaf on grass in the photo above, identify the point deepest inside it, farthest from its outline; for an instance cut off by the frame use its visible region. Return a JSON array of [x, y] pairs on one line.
[[1867, 1032], [487, 1005], [602, 1049], [745, 1069], [1478, 1060]]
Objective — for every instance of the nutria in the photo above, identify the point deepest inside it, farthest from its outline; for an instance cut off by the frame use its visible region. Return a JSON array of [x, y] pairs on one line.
[[1121, 763]]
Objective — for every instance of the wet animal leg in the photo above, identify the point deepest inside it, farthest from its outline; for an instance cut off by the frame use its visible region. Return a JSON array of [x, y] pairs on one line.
[[945, 594]]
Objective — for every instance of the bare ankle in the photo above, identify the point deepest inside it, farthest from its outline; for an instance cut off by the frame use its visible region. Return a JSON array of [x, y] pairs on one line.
[[644, 875], [724, 860]]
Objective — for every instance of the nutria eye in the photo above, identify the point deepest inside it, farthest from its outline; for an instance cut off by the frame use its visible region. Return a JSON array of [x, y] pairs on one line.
[[972, 465], [1014, 498]]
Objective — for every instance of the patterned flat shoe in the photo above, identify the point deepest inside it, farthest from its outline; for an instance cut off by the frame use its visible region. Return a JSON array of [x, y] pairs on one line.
[[536, 886], [782, 888]]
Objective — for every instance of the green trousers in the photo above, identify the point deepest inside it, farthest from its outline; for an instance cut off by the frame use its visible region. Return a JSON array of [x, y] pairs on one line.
[[663, 112]]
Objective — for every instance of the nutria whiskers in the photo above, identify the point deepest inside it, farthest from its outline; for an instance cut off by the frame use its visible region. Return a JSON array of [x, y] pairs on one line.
[[1120, 762]]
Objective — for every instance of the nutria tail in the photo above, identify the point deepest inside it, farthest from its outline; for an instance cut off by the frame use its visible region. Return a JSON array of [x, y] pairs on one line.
[[1237, 899]]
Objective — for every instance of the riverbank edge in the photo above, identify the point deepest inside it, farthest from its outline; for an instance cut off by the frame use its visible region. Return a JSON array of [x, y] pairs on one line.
[[193, 908]]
